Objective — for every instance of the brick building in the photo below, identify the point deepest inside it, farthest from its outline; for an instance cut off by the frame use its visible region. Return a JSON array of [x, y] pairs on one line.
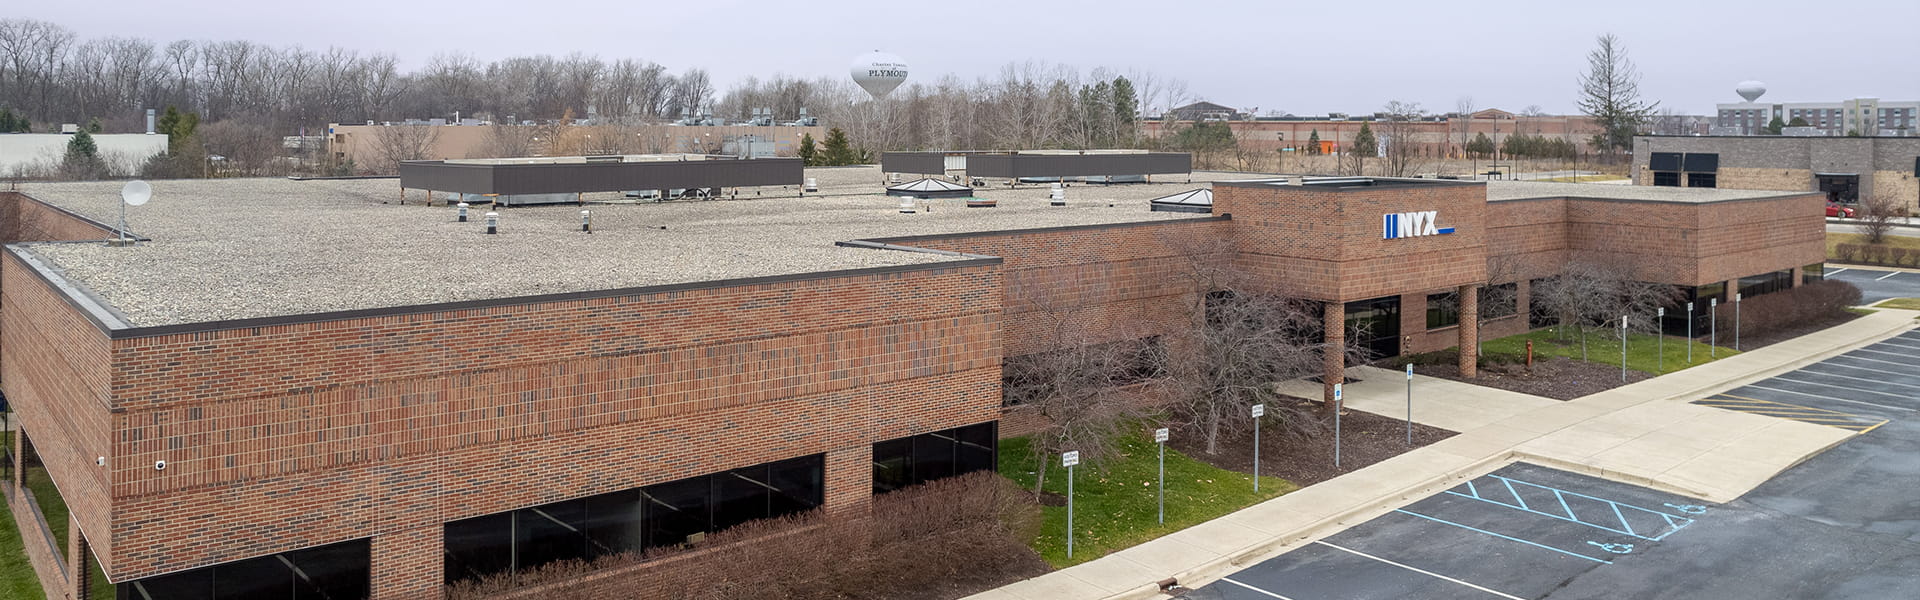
[[1844, 169], [1436, 136], [296, 388]]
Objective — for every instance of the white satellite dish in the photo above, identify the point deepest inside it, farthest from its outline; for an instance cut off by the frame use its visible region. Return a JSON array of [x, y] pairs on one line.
[[136, 192]]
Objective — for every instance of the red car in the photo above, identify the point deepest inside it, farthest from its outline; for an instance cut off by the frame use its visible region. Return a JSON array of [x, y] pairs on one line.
[[1836, 210]]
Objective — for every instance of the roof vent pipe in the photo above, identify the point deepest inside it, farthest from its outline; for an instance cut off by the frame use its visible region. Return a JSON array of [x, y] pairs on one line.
[[462, 214], [906, 206], [586, 221], [1057, 196], [493, 223]]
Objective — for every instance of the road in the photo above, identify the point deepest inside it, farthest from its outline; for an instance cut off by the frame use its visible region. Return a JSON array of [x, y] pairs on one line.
[[1833, 227]]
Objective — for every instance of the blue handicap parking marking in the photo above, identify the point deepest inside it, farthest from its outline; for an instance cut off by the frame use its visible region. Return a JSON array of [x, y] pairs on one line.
[[1574, 507]]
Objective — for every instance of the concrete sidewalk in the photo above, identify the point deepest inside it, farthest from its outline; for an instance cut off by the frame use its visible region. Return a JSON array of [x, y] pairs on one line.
[[1644, 434]]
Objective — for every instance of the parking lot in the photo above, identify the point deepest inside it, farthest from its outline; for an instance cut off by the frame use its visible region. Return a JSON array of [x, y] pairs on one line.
[[1844, 524], [1876, 284]]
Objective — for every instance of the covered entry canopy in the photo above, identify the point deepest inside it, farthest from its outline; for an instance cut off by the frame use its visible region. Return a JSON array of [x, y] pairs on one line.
[[930, 188]]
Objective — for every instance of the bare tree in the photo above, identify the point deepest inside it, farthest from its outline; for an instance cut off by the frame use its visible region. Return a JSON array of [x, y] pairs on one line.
[[1464, 107], [1589, 293], [1877, 215], [1398, 128], [395, 143], [1075, 390]]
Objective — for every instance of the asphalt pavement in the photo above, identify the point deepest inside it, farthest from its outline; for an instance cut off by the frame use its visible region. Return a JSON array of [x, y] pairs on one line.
[[1877, 284], [1844, 524]]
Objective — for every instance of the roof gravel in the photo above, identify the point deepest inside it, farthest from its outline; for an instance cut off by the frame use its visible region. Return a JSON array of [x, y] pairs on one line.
[[244, 248]]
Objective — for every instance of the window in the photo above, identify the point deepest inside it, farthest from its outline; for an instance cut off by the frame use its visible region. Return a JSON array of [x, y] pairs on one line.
[[1701, 180], [665, 514], [907, 461], [1666, 178], [1537, 315], [1443, 310], [1765, 283], [332, 571], [1813, 272], [1501, 300]]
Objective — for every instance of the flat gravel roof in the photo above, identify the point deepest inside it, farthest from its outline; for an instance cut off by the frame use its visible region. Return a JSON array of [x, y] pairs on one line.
[[1522, 190], [243, 248]]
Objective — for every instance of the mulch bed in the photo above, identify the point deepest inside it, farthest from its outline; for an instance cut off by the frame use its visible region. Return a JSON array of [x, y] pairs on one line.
[[1558, 378], [1750, 341], [1365, 439]]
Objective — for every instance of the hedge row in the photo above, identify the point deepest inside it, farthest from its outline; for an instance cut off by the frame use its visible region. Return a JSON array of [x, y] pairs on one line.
[[1878, 255]]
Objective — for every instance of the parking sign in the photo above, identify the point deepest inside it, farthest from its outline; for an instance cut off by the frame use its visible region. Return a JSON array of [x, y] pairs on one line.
[[1160, 435], [1259, 410], [1070, 459]]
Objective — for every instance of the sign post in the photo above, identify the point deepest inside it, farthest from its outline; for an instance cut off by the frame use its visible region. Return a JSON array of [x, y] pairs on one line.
[[1623, 348], [1068, 460], [1713, 325], [1736, 320], [1409, 405], [1660, 319], [1336, 425], [1689, 332], [1259, 410], [1160, 437]]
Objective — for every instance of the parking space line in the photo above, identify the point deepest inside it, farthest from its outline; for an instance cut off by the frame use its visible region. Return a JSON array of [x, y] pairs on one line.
[[1269, 594], [1875, 426], [1420, 571], [1888, 275], [1870, 349], [1903, 364], [1878, 372], [1838, 271], [1501, 536], [1890, 343], [1804, 414], [1762, 387], [1627, 528], [1833, 364], [1844, 387], [1917, 387]]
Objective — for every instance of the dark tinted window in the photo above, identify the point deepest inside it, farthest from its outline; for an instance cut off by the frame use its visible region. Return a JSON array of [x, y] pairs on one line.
[[614, 523], [676, 511], [1443, 310], [1813, 272], [331, 572], [1702, 180], [1666, 178], [1500, 300], [892, 465], [978, 447], [479, 546], [933, 455], [916, 459], [798, 485], [551, 533], [739, 496]]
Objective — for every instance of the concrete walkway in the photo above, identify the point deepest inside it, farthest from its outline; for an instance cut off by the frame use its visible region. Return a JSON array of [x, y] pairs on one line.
[[1644, 434]]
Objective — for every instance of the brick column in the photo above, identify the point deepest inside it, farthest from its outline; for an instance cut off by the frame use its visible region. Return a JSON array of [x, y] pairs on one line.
[[78, 576], [1469, 330], [1333, 320], [849, 481], [408, 564]]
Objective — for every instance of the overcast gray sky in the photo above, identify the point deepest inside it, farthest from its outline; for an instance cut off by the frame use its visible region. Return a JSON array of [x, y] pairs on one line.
[[1305, 58]]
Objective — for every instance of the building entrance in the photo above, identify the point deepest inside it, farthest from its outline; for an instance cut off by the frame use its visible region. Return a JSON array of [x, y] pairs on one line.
[[1375, 325], [1840, 187]]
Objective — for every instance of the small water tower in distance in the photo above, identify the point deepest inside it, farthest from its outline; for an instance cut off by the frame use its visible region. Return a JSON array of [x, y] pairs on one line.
[[878, 72], [1751, 90]]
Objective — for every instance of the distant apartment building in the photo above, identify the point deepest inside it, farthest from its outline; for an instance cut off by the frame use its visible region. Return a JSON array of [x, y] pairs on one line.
[[1859, 116]]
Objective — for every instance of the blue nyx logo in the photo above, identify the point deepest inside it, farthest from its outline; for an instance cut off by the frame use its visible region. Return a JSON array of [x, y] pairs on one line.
[[1411, 224]]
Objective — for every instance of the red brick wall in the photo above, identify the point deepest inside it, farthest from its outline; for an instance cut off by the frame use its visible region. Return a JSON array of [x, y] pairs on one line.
[[1326, 244], [57, 373], [297, 435], [1677, 243], [1116, 282], [23, 219]]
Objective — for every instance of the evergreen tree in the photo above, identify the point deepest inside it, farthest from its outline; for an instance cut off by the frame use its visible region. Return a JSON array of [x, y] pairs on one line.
[[1610, 94], [809, 153], [179, 128], [82, 160], [1313, 143], [1364, 144], [837, 151], [1126, 111], [1798, 122], [93, 126], [1480, 146], [6, 120], [1774, 127]]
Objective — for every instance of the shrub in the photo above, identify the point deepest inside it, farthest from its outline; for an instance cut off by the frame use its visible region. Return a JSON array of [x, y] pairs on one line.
[[961, 533], [1847, 252], [1812, 303]]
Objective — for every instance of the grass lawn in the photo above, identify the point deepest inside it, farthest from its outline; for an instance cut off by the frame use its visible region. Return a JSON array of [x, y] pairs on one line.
[[16, 576], [1895, 241], [1116, 509], [1901, 303], [1603, 346]]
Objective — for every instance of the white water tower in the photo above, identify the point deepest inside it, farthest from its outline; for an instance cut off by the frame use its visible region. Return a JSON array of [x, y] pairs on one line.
[[1751, 90], [879, 72]]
